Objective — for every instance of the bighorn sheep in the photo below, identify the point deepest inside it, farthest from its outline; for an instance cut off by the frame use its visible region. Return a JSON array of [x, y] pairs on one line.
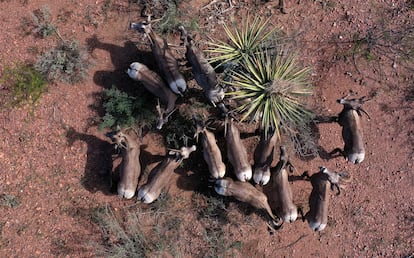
[[354, 150], [319, 197], [166, 61], [130, 168], [204, 73], [263, 158], [281, 190], [211, 152], [236, 152], [247, 193], [160, 176], [154, 84]]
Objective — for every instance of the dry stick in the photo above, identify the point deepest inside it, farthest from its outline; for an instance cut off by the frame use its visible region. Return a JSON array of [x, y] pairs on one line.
[[211, 3], [228, 9], [293, 243], [58, 34]]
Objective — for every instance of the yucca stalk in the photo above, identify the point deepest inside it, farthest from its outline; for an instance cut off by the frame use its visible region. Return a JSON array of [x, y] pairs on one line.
[[243, 43], [273, 87]]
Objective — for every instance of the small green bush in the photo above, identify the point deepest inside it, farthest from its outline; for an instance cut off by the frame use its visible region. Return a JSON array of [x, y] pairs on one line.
[[170, 16], [21, 84], [42, 23], [179, 131], [170, 20], [66, 63], [213, 214], [7, 200], [124, 110], [140, 233]]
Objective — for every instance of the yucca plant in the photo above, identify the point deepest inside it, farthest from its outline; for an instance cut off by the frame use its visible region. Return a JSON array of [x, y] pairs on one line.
[[273, 87], [243, 43]]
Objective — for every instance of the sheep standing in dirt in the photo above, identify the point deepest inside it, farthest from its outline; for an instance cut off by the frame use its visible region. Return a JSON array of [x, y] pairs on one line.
[[322, 182], [349, 119], [211, 151], [236, 152], [204, 73], [160, 176], [130, 168], [155, 84], [166, 61], [247, 193], [281, 190], [263, 158]]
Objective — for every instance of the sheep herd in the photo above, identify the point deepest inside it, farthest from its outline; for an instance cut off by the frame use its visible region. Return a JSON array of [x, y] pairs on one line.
[[243, 178]]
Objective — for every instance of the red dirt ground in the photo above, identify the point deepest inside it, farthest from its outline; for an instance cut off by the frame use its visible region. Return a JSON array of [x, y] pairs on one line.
[[57, 177]]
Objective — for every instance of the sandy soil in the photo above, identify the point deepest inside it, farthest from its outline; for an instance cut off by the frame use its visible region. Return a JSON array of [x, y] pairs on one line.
[[54, 161]]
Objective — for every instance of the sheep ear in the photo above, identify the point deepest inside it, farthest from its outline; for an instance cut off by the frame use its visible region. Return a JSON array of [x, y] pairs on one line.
[[365, 112]]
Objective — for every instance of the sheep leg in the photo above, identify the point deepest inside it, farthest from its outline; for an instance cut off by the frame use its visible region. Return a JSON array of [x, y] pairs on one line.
[[305, 176], [335, 151], [281, 7], [291, 167], [273, 225], [333, 186], [300, 211]]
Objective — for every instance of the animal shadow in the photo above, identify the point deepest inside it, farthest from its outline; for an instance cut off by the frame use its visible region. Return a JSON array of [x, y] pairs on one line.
[[193, 173], [97, 174], [147, 160], [315, 135], [121, 57]]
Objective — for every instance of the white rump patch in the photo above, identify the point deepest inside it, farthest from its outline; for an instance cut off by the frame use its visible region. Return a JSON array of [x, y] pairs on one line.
[[220, 190], [356, 158], [133, 71], [316, 226], [215, 95], [144, 196], [261, 177], [221, 187], [245, 175], [292, 216], [126, 193], [178, 86], [221, 173]]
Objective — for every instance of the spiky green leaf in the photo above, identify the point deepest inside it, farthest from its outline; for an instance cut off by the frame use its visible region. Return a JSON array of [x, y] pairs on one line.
[[273, 87]]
